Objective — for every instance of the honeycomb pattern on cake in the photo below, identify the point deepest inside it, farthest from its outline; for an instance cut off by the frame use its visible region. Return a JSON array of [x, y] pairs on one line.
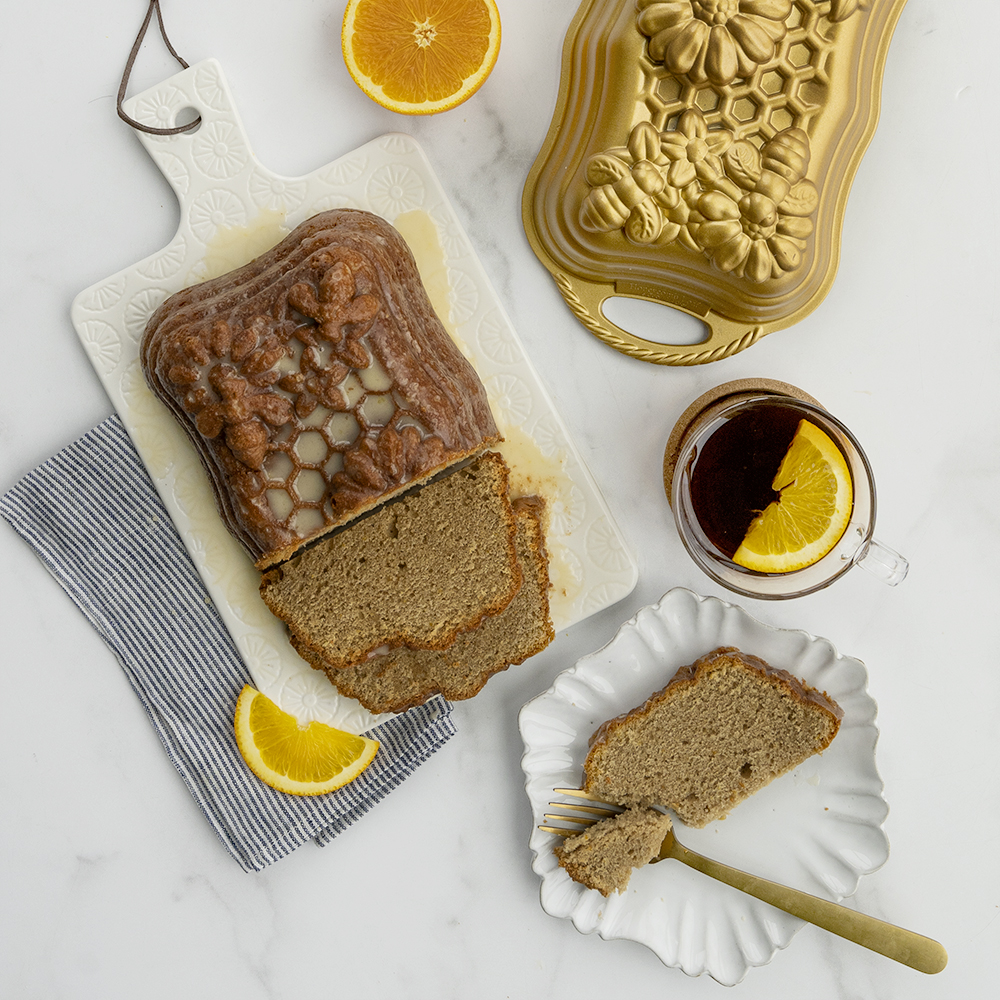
[[303, 420], [316, 381], [297, 473], [786, 92]]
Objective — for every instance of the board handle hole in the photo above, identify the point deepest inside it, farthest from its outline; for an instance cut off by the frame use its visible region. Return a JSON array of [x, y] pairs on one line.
[[185, 117]]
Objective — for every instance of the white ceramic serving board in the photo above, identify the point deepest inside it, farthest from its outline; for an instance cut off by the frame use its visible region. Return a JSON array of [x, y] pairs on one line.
[[231, 209]]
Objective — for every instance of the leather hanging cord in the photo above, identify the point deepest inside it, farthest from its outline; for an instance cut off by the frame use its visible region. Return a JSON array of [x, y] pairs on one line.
[[153, 5]]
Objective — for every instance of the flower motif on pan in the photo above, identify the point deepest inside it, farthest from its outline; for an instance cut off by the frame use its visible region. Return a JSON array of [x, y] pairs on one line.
[[746, 209], [757, 225], [713, 41], [694, 152]]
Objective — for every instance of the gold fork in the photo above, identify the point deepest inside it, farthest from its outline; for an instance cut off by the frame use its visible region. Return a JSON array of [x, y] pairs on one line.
[[915, 950]]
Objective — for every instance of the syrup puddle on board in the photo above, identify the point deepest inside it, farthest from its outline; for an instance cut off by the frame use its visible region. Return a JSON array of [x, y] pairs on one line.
[[233, 246]]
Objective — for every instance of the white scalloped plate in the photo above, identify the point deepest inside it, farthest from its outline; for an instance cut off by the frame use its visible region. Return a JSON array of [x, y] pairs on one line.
[[223, 190], [818, 828]]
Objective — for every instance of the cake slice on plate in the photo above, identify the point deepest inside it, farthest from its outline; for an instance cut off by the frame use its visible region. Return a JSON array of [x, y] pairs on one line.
[[721, 729]]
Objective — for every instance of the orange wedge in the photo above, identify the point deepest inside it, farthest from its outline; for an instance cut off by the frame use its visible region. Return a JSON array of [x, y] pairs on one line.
[[812, 510], [301, 760], [419, 57]]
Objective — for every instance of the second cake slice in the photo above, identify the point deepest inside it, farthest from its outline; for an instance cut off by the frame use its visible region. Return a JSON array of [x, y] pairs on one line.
[[404, 677], [415, 573]]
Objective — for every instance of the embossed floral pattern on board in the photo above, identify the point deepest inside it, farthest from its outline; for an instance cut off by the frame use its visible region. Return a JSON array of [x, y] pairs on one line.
[[219, 150], [713, 41]]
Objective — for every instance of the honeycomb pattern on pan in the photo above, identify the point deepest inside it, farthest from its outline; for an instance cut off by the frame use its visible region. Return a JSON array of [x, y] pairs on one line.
[[785, 92]]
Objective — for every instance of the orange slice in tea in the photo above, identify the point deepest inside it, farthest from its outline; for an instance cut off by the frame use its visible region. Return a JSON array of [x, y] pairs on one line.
[[418, 57], [815, 498], [302, 760]]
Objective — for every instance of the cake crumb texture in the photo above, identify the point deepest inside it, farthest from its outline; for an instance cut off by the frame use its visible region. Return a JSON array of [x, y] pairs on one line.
[[602, 857], [416, 572], [721, 729], [404, 677]]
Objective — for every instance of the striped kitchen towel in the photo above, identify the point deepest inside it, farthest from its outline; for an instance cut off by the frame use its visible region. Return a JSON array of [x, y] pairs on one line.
[[94, 518]]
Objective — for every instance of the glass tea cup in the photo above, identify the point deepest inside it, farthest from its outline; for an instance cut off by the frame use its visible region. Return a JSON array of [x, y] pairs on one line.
[[766, 412]]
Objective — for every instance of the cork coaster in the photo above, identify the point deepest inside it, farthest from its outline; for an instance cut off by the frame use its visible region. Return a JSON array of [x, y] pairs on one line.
[[709, 403]]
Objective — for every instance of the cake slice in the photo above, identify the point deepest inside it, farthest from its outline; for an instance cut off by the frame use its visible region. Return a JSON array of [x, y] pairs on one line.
[[404, 677], [722, 728], [416, 572], [602, 856]]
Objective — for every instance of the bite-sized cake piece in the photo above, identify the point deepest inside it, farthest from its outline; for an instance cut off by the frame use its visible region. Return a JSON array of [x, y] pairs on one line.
[[416, 572], [602, 856], [403, 677], [315, 382], [721, 729]]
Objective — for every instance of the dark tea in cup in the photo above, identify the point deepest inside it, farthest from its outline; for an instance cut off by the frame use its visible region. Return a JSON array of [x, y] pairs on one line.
[[772, 496]]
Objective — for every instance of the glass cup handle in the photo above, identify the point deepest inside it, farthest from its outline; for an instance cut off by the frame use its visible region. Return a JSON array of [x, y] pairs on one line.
[[882, 562]]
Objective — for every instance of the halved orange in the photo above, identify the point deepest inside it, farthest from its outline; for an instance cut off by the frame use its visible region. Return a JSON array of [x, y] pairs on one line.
[[812, 511], [419, 57], [299, 759]]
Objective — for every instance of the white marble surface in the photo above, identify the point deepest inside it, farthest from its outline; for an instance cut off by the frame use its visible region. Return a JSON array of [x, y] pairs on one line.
[[113, 885]]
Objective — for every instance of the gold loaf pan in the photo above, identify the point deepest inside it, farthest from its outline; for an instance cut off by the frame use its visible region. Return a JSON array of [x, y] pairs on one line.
[[700, 156]]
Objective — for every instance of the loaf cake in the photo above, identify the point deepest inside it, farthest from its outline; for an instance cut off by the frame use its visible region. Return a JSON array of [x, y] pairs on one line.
[[316, 382], [416, 572], [405, 677], [722, 728], [602, 856]]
